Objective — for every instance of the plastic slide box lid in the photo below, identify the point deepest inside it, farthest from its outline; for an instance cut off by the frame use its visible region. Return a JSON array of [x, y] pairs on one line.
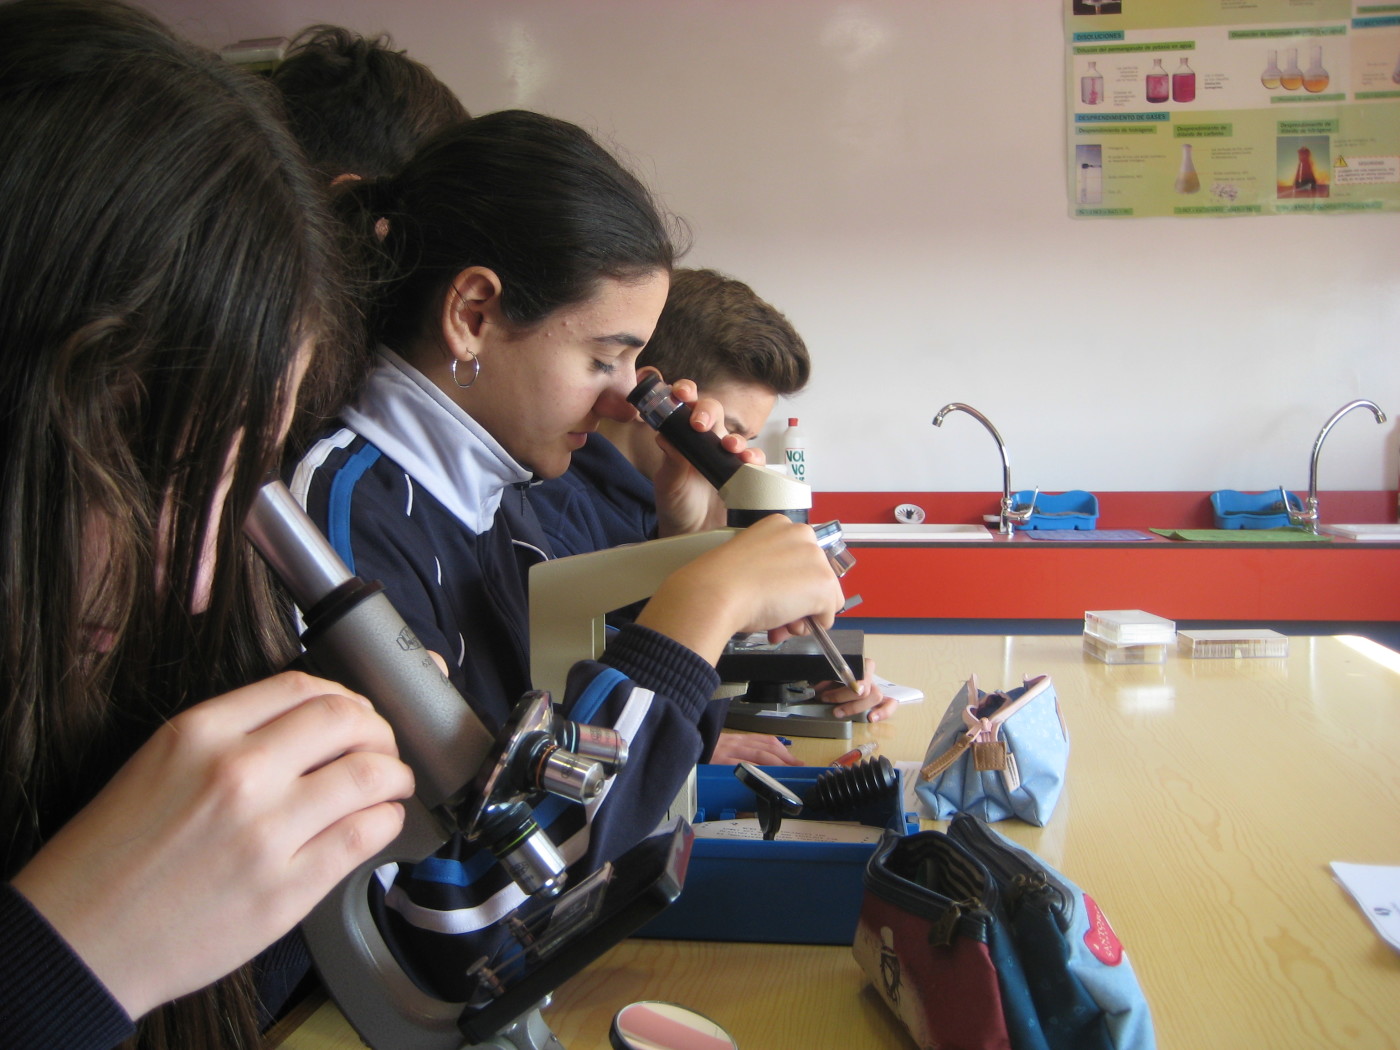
[[776, 892], [1130, 627]]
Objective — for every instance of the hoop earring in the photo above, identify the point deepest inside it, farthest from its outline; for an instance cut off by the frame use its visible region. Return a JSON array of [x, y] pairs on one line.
[[476, 371]]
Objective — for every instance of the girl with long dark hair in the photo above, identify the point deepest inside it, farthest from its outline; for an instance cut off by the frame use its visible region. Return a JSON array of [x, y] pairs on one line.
[[169, 806]]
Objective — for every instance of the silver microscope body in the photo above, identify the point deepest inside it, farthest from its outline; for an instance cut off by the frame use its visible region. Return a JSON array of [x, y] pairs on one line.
[[467, 780]]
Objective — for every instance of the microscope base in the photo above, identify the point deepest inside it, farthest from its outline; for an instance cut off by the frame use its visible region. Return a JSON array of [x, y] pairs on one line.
[[528, 1033], [814, 720]]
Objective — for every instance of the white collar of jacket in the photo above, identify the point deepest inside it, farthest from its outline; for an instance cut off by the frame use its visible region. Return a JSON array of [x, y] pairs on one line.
[[403, 413]]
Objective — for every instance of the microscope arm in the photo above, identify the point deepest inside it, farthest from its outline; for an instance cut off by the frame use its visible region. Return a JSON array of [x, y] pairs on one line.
[[571, 597]]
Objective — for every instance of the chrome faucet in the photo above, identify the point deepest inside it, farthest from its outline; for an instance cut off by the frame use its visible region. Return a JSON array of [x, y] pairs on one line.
[[1308, 516], [1009, 515]]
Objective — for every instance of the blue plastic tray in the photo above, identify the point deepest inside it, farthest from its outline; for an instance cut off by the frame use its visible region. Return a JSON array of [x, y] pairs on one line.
[[1075, 509], [792, 892], [1252, 510]]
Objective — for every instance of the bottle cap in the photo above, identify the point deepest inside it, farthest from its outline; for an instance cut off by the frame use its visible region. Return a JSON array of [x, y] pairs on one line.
[[792, 421]]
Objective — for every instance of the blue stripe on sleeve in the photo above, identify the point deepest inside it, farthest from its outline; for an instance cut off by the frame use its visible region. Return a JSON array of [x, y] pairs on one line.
[[592, 697], [338, 505], [450, 872]]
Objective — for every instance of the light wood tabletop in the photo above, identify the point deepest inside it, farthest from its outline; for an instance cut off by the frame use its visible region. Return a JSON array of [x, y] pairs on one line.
[[1204, 802]]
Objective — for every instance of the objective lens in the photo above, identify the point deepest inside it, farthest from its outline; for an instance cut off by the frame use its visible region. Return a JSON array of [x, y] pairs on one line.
[[524, 849], [565, 774], [599, 743], [833, 543]]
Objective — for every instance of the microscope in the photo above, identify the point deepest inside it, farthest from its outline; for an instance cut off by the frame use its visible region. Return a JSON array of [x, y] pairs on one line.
[[468, 780], [571, 597]]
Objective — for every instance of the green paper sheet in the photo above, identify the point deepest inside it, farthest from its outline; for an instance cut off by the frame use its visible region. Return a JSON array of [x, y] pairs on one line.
[[1243, 535]]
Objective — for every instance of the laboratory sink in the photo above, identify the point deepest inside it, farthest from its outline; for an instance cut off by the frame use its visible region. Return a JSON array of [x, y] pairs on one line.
[[895, 533]]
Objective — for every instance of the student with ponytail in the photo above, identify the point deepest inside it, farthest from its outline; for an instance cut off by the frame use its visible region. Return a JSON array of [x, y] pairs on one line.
[[518, 269]]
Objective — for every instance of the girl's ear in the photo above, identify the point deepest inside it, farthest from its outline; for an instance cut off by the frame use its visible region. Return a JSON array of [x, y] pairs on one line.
[[473, 301]]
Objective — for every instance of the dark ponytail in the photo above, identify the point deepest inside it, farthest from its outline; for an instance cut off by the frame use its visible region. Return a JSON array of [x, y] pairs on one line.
[[533, 198]]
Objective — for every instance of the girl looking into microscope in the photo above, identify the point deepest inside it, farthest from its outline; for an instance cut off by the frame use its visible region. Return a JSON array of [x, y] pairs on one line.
[[169, 273], [518, 270]]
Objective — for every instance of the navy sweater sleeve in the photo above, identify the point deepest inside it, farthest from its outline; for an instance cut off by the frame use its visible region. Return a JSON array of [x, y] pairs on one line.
[[667, 742], [48, 996]]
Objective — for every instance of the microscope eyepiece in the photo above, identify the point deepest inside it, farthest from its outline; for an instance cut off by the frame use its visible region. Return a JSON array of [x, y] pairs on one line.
[[662, 411], [652, 399], [833, 542]]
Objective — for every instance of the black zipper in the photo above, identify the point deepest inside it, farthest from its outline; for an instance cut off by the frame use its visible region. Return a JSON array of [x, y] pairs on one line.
[[946, 915], [1020, 880]]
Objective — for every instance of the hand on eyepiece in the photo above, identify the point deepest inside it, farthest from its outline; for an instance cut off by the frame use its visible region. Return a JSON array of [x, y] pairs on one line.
[[685, 501]]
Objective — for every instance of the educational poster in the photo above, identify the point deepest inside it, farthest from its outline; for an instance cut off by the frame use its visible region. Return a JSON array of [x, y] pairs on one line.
[[1232, 107]]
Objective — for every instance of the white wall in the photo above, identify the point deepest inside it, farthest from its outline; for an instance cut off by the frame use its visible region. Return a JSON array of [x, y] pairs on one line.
[[890, 174]]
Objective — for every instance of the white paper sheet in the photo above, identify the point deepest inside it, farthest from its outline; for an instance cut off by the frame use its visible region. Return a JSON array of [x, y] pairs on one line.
[[1376, 888], [903, 694]]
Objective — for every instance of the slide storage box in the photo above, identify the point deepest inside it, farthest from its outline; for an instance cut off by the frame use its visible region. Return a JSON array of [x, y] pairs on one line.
[[751, 890], [1129, 627]]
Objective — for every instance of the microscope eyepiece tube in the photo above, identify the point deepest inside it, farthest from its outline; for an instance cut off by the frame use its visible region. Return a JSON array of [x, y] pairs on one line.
[[652, 399], [662, 411], [833, 542], [355, 636], [290, 542]]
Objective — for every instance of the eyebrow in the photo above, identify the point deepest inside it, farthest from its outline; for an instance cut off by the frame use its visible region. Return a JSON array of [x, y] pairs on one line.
[[626, 339], [736, 426]]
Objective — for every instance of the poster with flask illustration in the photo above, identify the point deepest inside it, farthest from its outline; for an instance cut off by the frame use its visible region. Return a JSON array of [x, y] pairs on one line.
[[1195, 108]]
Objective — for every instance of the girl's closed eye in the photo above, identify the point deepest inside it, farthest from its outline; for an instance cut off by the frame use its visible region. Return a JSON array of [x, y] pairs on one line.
[[604, 367]]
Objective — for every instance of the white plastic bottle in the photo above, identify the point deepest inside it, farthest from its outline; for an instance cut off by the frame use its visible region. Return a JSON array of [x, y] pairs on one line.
[[795, 451]]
